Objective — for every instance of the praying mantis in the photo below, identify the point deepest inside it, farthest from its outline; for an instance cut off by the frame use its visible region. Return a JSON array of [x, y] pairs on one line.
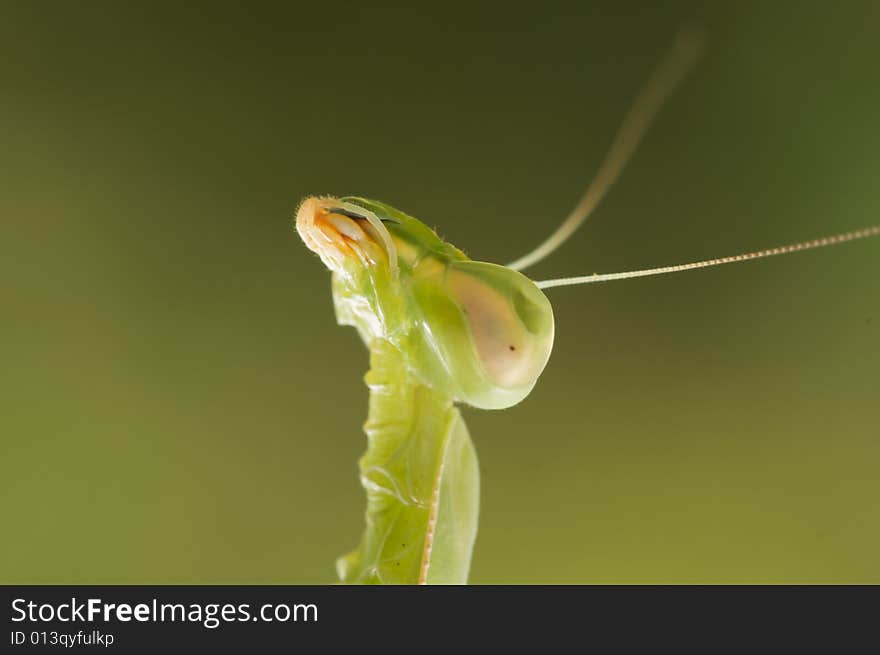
[[443, 330]]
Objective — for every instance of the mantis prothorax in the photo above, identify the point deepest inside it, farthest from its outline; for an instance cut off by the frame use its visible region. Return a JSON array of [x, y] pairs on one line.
[[443, 329]]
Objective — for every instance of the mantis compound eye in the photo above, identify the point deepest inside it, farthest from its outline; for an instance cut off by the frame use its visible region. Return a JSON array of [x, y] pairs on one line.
[[509, 323], [484, 332]]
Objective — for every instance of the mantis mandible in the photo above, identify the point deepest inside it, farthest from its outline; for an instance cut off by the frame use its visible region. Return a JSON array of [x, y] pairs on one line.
[[443, 329]]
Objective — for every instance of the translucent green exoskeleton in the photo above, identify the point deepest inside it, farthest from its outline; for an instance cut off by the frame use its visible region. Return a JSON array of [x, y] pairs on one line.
[[441, 329], [444, 330]]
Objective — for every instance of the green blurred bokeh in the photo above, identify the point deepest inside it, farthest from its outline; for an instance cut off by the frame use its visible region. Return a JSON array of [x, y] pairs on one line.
[[178, 405]]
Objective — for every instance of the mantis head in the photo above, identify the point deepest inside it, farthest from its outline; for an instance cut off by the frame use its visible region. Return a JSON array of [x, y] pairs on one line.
[[478, 332]]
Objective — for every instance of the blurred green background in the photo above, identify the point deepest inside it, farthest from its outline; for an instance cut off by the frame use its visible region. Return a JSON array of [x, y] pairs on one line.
[[178, 405]]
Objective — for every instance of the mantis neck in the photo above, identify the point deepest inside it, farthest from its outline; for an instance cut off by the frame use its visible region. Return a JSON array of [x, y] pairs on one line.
[[422, 482]]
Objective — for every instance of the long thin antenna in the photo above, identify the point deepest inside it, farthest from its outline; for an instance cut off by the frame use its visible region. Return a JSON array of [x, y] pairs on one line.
[[685, 52], [770, 252]]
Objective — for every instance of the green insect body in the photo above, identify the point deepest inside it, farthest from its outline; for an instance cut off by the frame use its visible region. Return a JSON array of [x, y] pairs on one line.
[[441, 329]]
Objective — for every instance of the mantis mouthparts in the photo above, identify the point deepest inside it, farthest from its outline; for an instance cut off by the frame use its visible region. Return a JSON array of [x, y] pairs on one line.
[[338, 231]]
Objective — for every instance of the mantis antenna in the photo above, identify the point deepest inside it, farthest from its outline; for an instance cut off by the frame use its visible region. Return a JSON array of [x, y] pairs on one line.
[[759, 254], [672, 69]]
